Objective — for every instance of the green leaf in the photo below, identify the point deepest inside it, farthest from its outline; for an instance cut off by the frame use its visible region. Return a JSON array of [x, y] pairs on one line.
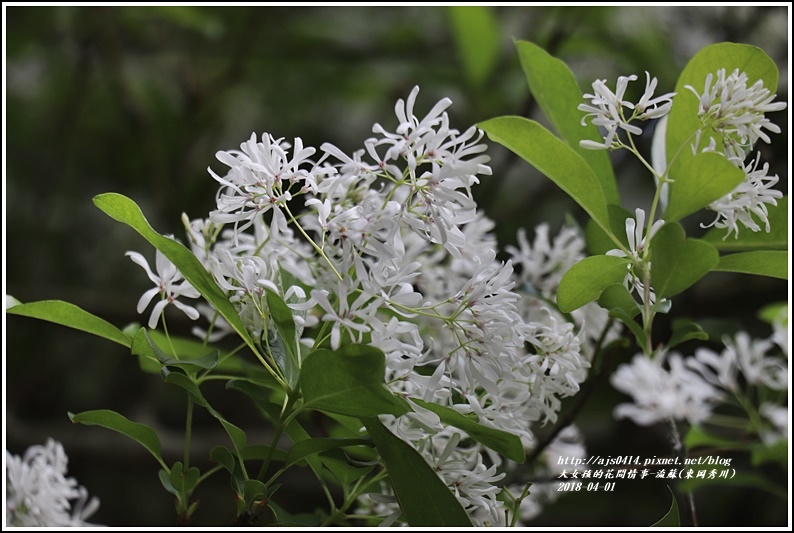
[[699, 181], [287, 352], [340, 466], [424, 498], [124, 210], [678, 262], [763, 263], [686, 330], [776, 239], [555, 89], [671, 518], [305, 448], [585, 281], [555, 159], [618, 297], [191, 352], [349, 382], [477, 38], [499, 441], [184, 482], [70, 315], [140, 433], [683, 119]]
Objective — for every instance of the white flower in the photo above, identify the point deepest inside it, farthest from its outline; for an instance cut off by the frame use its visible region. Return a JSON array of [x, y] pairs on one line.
[[167, 286], [660, 394], [544, 262], [38, 493], [638, 240], [607, 110], [742, 356], [749, 198], [649, 107], [736, 112]]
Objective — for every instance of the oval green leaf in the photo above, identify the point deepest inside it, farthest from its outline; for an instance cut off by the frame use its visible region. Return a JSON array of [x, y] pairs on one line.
[[588, 278], [554, 87], [555, 159], [762, 263], [699, 181], [678, 262], [349, 382]]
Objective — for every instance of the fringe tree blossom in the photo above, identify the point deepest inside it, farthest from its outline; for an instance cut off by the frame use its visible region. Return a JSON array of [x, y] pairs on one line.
[[661, 393], [638, 241], [736, 114], [389, 250], [749, 198], [744, 360], [606, 108], [38, 493], [166, 286]]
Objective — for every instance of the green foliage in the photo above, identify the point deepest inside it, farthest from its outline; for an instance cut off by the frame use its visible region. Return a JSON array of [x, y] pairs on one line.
[[760, 263], [554, 87], [699, 181], [686, 330], [499, 441], [555, 159], [588, 278], [349, 381], [71, 316], [286, 350], [678, 262], [124, 210], [424, 499], [140, 433]]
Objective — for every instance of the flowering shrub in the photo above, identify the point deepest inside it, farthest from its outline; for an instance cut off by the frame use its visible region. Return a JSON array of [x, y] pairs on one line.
[[369, 288]]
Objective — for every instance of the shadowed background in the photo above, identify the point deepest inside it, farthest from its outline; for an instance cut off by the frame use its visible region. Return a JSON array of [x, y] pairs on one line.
[[138, 100]]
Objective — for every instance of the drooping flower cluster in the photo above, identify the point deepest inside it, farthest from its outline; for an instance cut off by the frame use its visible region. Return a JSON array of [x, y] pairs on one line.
[[38, 493], [733, 118], [388, 249]]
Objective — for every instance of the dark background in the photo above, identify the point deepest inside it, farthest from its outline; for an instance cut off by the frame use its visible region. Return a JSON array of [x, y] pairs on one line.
[[138, 100]]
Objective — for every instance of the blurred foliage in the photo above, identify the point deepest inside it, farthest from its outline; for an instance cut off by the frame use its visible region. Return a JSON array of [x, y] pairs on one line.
[[136, 100]]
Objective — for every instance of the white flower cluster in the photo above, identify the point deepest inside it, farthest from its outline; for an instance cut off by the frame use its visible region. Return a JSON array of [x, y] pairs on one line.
[[606, 108], [388, 249], [672, 386], [736, 114], [38, 493]]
